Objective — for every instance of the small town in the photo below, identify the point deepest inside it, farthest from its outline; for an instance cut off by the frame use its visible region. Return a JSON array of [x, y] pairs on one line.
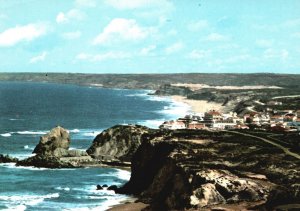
[[275, 120]]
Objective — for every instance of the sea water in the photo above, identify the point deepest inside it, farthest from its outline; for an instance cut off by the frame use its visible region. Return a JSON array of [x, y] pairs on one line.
[[28, 110]]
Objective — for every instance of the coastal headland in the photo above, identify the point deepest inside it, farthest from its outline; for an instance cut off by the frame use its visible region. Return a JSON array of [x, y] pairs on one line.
[[194, 169], [184, 169]]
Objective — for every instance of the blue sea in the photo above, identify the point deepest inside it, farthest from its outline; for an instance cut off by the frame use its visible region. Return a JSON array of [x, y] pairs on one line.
[[29, 110]]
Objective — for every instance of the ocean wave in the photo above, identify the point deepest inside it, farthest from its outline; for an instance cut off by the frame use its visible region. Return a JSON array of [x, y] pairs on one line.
[[123, 174], [63, 188], [24, 199], [13, 165], [6, 134], [31, 132], [14, 208], [74, 131], [176, 110], [12, 119], [108, 203]]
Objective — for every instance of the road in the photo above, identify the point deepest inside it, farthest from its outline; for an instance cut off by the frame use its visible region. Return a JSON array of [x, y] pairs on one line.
[[285, 150]]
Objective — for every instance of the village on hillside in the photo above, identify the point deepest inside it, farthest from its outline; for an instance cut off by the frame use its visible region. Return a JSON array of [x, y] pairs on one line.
[[274, 120]]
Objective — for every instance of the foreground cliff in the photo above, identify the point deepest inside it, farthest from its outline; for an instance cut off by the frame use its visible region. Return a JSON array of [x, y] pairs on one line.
[[212, 170]]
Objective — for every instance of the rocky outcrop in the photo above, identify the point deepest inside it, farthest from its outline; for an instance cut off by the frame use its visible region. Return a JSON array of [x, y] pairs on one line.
[[7, 159], [211, 170], [53, 152], [45, 162], [118, 143], [55, 143]]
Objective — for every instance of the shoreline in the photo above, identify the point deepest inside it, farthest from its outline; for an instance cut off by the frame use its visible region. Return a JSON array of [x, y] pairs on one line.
[[198, 106]]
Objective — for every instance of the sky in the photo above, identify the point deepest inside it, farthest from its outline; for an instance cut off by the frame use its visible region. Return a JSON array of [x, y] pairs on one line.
[[150, 36]]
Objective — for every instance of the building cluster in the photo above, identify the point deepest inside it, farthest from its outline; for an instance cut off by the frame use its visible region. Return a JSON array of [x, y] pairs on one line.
[[275, 120]]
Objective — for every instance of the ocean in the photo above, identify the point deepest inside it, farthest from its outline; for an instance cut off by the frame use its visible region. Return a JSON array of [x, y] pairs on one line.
[[29, 110]]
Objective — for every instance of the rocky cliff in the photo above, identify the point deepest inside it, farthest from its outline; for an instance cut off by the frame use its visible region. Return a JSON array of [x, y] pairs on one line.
[[211, 170], [118, 143]]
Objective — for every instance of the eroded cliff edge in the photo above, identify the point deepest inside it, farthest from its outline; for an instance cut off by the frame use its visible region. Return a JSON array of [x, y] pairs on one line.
[[205, 169]]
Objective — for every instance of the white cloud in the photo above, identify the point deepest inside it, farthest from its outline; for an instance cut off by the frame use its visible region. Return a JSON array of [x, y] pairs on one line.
[[215, 37], [13, 36], [147, 50], [71, 35], [271, 53], [174, 48], [38, 58], [197, 25], [134, 4], [198, 54], [264, 43], [73, 14], [120, 29], [85, 3], [103, 56]]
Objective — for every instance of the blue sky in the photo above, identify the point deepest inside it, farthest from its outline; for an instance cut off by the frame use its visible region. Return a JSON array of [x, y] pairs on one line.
[[150, 36]]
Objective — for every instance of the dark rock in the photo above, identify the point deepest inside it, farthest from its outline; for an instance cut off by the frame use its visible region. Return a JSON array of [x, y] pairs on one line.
[[45, 162], [99, 187], [105, 186], [113, 187], [7, 159], [118, 143], [55, 143]]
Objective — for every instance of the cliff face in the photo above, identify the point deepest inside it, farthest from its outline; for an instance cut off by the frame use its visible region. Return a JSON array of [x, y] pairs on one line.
[[118, 143], [203, 169]]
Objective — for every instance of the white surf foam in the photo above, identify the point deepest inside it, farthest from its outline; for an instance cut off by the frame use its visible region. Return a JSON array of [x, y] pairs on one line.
[[63, 188], [24, 199], [123, 174], [6, 134], [12, 119], [16, 208], [13, 165], [31, 132], [74, 131]]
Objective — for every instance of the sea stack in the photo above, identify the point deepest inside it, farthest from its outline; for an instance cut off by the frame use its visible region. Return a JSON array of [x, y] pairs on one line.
[[55, 143]]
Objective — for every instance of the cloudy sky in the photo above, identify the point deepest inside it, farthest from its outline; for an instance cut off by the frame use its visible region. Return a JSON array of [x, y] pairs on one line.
[[150, 36]]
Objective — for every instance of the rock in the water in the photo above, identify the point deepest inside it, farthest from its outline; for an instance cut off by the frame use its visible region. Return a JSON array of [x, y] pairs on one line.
[[113, 187], [45, 162], [55, 143], [117, 143], [52, 152], [99, 187], [7, 159]]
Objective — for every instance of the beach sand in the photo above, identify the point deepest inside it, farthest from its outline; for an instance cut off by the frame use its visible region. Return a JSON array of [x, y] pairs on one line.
[[131, 206], [199, 106]]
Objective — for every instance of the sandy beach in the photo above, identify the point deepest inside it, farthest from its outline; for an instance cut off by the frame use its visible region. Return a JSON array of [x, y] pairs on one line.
[[130, 206], [199, 106]]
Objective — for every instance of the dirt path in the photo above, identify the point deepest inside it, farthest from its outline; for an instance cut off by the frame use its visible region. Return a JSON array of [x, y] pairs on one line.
[[285, 150]]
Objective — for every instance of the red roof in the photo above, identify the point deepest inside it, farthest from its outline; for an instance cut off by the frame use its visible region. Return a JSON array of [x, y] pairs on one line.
[[215, 113]]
